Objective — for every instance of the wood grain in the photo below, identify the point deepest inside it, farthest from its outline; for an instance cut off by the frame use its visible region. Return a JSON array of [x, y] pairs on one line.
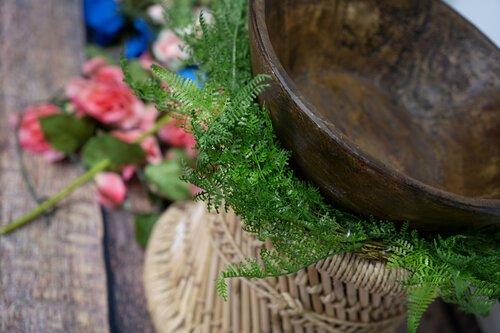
[[391, 108], [125, 258], [52, 276]]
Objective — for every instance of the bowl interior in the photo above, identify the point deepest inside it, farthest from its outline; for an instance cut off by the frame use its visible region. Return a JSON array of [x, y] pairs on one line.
[[409, 82]]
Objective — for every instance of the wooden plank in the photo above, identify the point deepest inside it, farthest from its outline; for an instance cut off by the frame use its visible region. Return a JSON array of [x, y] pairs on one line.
[[52, 276], [128, 309]]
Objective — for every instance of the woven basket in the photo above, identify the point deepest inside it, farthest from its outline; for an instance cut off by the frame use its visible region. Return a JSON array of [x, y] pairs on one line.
[[189, 247]]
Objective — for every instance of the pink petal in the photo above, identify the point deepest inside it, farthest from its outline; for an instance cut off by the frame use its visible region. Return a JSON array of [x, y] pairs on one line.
[[93, 65], [111, 190], [128, 172]]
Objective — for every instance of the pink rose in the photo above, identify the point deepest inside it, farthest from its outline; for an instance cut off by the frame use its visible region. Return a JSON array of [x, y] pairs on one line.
[[175, 136], [106, 100], [111, 190], [128, 172], [98, 69], [149, 145], [91, 65], [104, 96], [169, 49], [109, 74], [31, 135], [152, 149], [148, 117]]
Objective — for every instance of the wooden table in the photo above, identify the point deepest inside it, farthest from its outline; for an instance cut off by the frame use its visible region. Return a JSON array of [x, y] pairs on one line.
[[79, 270], [73, 271]]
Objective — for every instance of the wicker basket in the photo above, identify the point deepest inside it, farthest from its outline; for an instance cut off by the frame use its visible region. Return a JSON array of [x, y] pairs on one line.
[[189, 247]]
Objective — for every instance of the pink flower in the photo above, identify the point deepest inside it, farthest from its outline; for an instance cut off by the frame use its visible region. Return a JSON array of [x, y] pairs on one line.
[[105, 99], [104, 96], [175, 136], [148, 117], [91, 65], [31, 135], [157, 13], [146, 61], [152, 149], [194, 189], [149, 145], [109, 74], [128, 172], [13, 120], [98, 69], [169, 49], [111, 190]]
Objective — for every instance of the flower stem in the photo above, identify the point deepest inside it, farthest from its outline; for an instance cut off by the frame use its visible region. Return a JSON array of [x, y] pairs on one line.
[[75, 184], [51, 202]]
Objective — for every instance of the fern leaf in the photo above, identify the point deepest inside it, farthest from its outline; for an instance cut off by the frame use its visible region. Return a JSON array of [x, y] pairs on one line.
[[419, 299]]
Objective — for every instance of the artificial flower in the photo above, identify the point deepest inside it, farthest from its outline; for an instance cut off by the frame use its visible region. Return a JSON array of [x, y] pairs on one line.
[[105, 99], [190, 73], [93, 64], [139, 42], [108, 74], [111, 190], [194, 190], [174, 135], [148, 117], [104, 21], [146, 61], [31, 135], [149, 144], [157, 14], [169, 49]]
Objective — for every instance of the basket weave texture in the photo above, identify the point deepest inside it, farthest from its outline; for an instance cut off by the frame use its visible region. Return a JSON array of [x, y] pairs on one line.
[[190, 246]]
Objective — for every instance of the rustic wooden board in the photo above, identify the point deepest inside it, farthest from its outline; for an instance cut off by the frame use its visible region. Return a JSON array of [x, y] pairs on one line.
[[124, 257], [52, 276]]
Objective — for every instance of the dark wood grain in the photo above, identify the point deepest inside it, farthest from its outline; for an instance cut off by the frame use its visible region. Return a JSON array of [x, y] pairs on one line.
[[392, 108], [52, 276], [125, 258]]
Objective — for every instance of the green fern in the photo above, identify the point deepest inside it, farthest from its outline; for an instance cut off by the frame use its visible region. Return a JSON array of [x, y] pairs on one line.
[[419, 299], [241, 165]]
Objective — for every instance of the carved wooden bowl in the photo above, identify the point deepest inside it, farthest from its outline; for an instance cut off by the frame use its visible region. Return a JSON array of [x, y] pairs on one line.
[[392, 108]]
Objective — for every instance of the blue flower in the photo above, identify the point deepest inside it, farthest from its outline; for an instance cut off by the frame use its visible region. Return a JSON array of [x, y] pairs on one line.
[[191, 73], [139, 43], [104, 21]]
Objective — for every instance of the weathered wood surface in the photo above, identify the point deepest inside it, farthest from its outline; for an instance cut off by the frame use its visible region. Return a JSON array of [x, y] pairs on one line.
[[392, 108], [52, 276], [128, 312], [59, 277], [124, 257]]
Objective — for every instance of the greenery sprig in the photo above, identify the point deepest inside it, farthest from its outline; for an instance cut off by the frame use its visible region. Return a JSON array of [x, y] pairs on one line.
[[242, 166]]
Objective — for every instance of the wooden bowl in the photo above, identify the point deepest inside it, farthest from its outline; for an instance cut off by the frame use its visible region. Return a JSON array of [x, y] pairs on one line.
[[392, 108]]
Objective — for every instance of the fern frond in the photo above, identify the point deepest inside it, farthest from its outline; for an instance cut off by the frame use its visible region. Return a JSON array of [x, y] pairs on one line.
[[242, 165], [419, 299], [246, 96]]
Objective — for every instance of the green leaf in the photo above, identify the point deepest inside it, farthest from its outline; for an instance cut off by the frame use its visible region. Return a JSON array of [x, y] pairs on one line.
[[93, 50], [136, 71], [108, 147], [419, 299], [144, 224], [65, 132], [164, 180]]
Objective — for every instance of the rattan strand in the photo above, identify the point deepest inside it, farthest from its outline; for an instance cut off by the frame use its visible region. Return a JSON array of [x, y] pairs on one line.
[[189, 247]]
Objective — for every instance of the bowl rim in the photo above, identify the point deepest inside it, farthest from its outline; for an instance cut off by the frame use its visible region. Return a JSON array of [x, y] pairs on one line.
[[257, 15]]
